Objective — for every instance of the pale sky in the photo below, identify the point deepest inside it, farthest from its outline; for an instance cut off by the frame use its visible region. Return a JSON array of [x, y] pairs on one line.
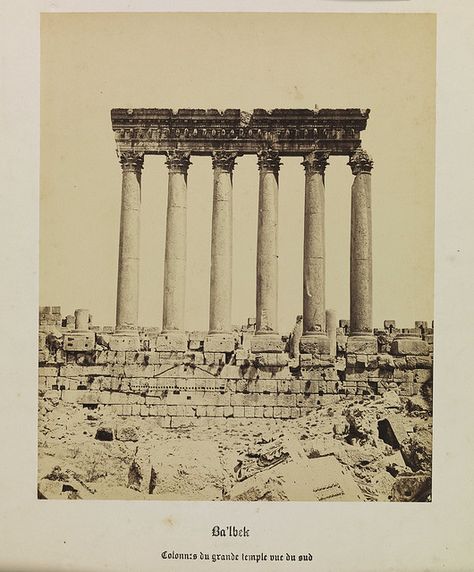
[[94, 62]]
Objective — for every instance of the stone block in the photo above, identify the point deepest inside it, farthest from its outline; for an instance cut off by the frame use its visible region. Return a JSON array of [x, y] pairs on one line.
[[48, 371], [267, 386], [239, 411], [136, 370], [228, 411], [266, 343], [144, 411], [362, 344], [195, 345], [214, 358], [306, 359], [171, 342], [307, 400], [124, 342], [315, 344], [295, 412], [422, 375], [310, 386], [230, 371], [126, 409], [249, 411], [189, 411], [409, 346], [268, 412], [258, 411], [201, 410], [424, 362], [285, 413], [181, 421], [219, 343]]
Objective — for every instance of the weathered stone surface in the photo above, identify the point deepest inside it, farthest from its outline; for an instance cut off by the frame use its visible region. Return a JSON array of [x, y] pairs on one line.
[[410, 346], [262, 344], [124, 342], [362, 345], [315, 345], [219, 343]]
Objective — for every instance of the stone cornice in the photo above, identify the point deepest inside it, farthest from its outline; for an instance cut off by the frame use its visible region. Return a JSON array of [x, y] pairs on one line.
[[360, 162], [202, 131], [316, 162]]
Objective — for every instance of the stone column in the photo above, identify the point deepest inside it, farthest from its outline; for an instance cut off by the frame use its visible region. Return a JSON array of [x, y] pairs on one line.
[[128, 265], [175, 252], [361, 338], [81, 320], [266, 335], [220, 337], [314, 339]]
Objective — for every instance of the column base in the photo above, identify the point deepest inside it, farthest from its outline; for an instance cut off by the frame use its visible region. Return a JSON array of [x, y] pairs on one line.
[[261, 343], [361, 343], [172, 342], [125, 341], [409, 345], [315, 344], [219, 342]]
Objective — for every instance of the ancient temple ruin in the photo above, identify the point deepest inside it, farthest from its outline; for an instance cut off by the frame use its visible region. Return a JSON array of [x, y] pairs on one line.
[[184, 377]]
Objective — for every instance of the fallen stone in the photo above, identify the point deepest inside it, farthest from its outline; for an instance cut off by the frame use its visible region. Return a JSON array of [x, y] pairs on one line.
[[413, 488], [417, 450], [392, 431], [126, 433]]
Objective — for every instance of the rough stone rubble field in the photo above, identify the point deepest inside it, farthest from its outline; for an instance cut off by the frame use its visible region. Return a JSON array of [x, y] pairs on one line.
[[372, 449]]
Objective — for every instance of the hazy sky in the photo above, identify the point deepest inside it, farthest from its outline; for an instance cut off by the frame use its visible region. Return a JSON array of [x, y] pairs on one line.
[[94, 62]]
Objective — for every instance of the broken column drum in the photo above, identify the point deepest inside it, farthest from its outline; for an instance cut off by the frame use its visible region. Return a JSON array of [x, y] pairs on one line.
[[313, 135]]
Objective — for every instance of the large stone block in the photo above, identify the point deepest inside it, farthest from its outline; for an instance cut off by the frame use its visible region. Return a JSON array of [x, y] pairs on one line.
[[315, 344], [219, 343], [124, 342], [172, 342], [79, 341], [409, 346], [266, 343], [362, 345]]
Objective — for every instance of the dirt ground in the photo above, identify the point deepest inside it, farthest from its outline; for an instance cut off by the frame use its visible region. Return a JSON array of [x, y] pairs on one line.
[[383, 443]]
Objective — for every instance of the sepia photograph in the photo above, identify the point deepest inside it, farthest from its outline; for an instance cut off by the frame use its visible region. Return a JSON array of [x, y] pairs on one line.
[[236, 257]]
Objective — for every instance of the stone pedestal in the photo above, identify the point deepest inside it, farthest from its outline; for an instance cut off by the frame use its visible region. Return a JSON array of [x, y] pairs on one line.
[[175, 248], [172, 342], [216, 342], [314, 344], [128, 265], [408, 344], [362, 344], [221, 245], [267, 251]]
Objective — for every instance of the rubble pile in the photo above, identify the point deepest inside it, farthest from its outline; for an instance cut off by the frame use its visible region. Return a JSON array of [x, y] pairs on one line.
[[372, 448]]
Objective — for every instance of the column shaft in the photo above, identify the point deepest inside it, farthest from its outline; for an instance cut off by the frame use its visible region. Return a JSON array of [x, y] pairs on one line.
[[128, 265], [175, 248], [314, 273], [267, 244], [221, 245], [361, 246]]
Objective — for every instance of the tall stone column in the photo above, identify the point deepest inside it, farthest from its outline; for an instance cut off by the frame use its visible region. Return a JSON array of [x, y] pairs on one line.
[[175, 252], [314, 339], [361, 337], [266, 335], [128, 265], [220, 337]]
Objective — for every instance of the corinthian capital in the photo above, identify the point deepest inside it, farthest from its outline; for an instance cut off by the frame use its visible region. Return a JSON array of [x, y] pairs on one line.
[[178, 161], [224, 160], [315, 162], [131, 161], [268, 160], [360, 162]]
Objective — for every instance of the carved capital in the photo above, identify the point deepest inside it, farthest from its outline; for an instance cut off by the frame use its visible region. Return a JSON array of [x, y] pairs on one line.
[[360, 162], [178, 161], [315, 162], [224, 160], [131, 161], [268, 160]]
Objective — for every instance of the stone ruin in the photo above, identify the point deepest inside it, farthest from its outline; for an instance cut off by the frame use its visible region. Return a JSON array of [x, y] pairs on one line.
[[183, 377]]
